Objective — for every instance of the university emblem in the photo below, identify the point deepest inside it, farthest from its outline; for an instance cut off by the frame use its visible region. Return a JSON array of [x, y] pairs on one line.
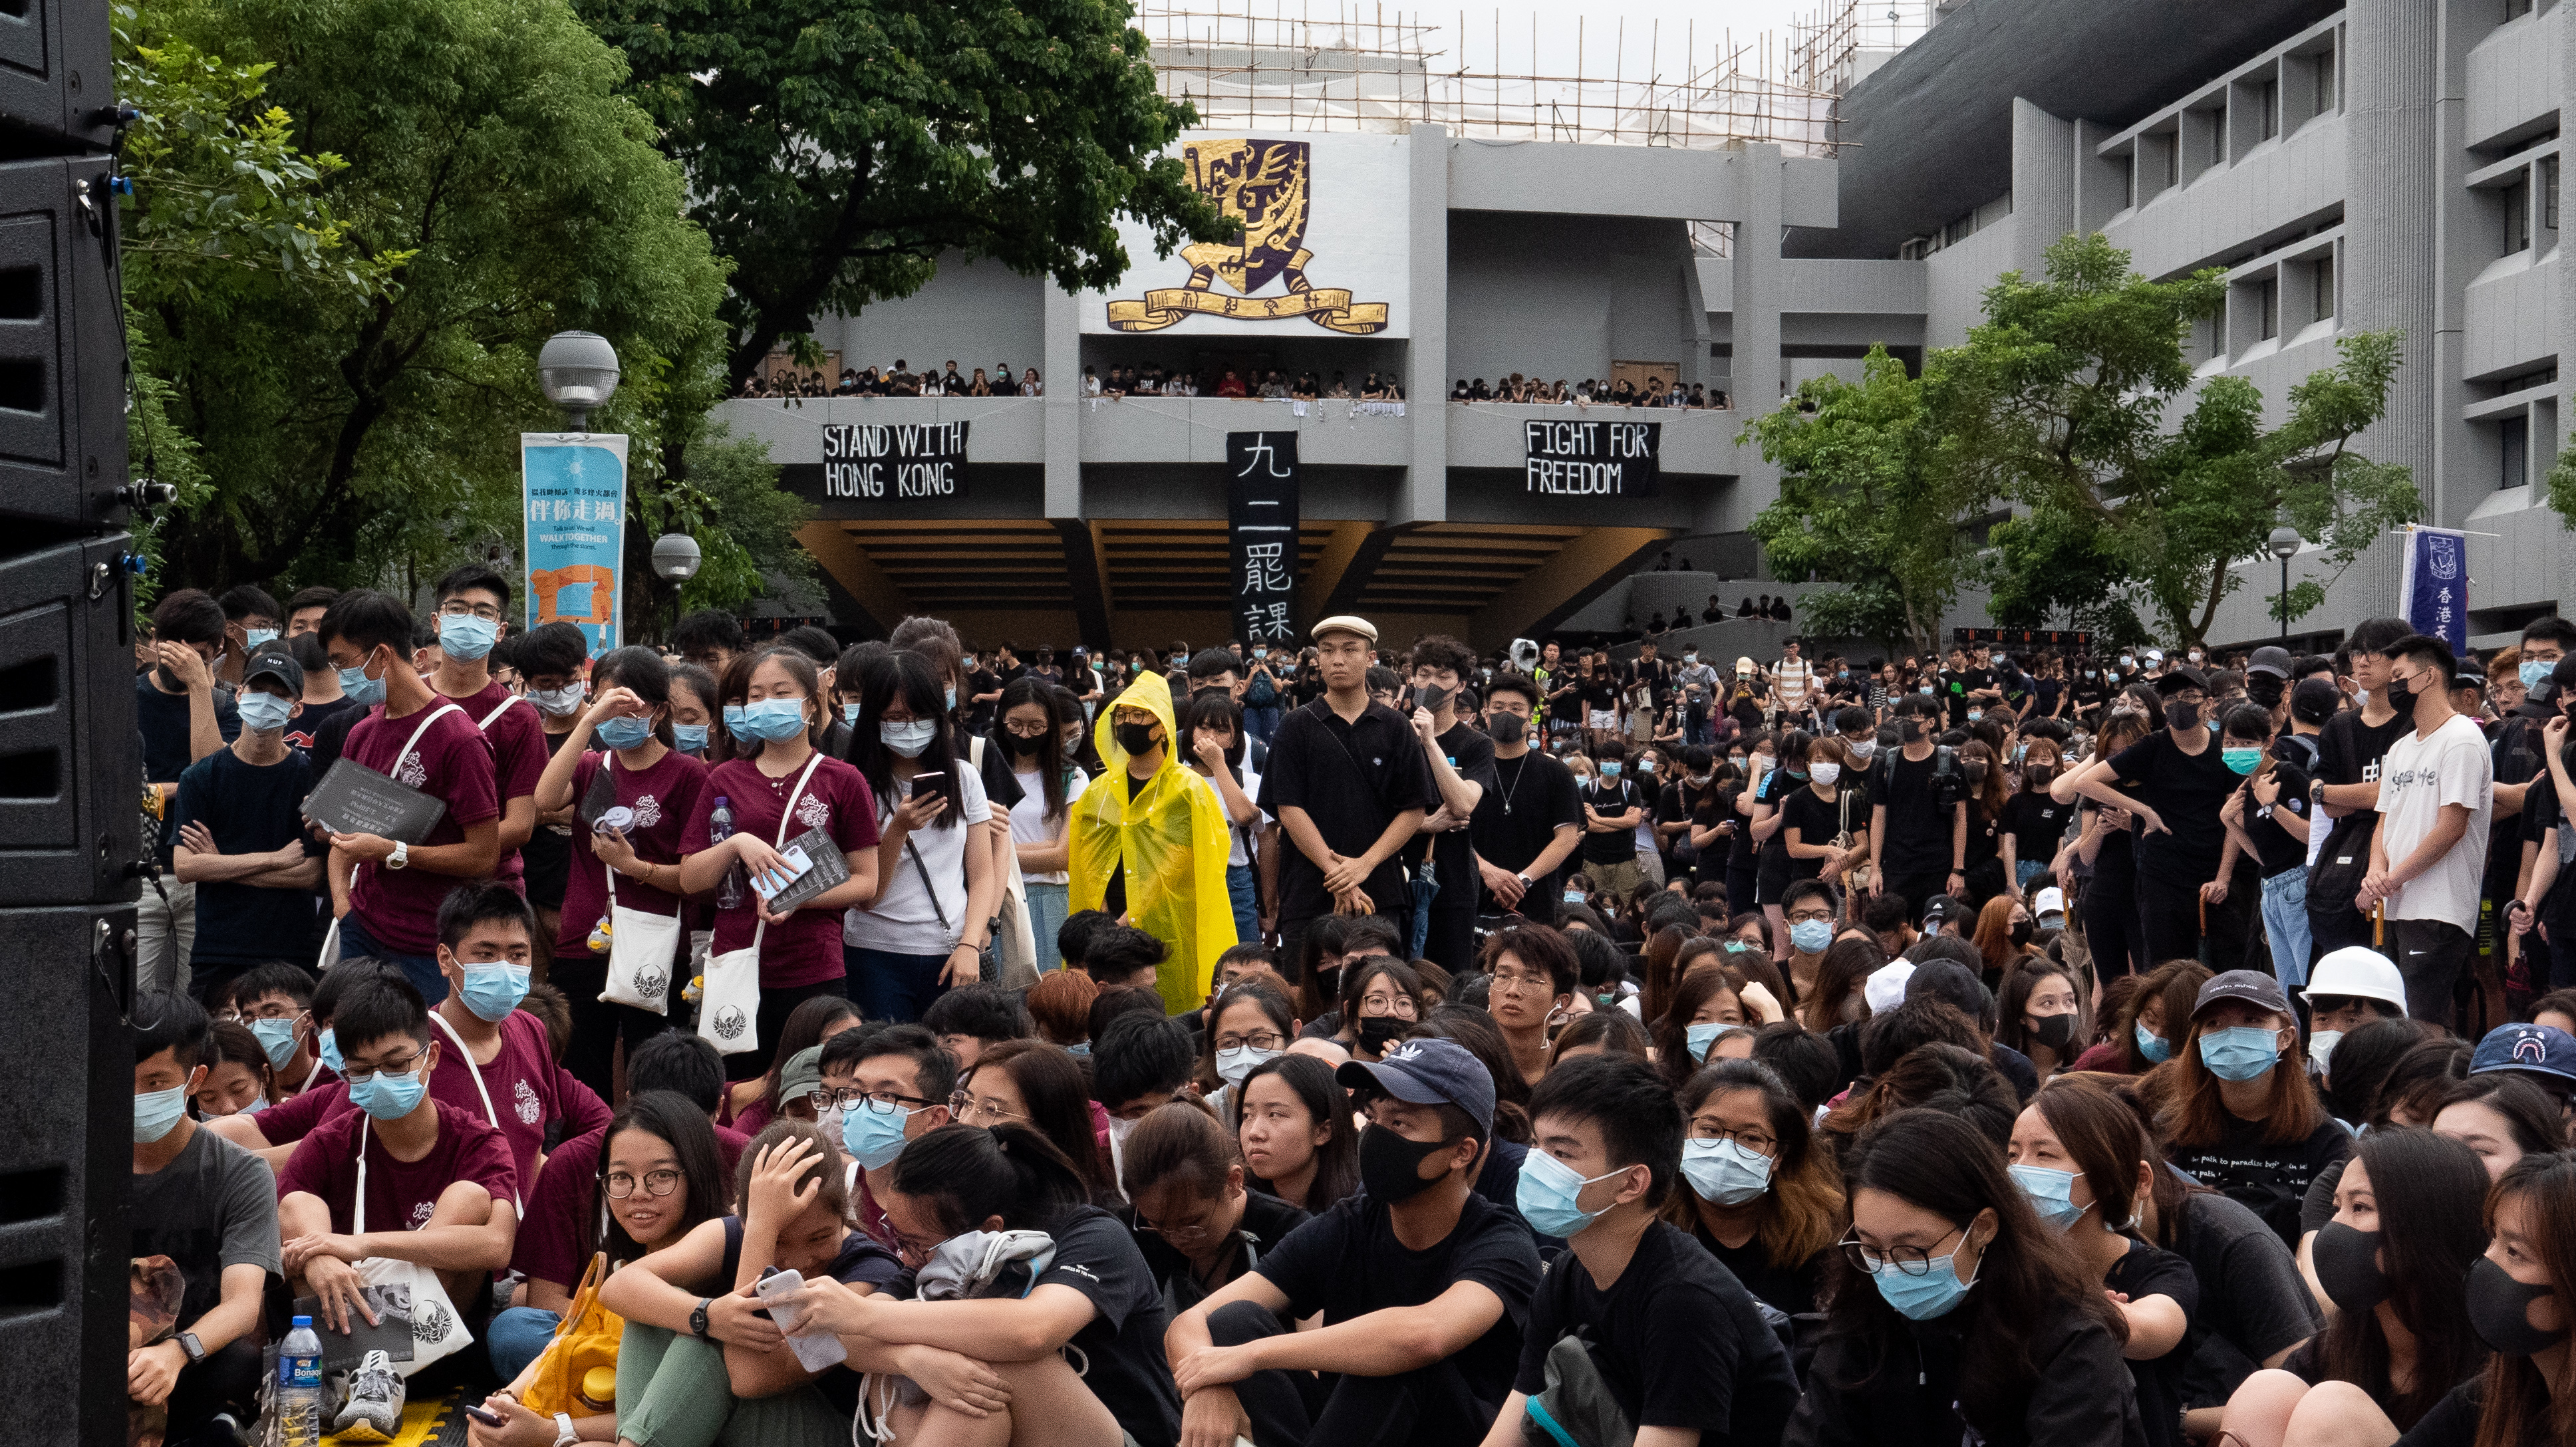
[[1265, 186]]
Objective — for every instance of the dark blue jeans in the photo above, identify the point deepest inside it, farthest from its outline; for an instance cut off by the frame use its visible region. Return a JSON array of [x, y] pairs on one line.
[[421, 970], [889, 986]]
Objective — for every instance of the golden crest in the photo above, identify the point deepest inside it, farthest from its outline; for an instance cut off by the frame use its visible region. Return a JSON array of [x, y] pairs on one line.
[[1266, 186]]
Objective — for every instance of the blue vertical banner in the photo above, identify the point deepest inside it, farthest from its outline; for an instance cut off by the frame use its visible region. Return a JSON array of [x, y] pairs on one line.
[[2435, 585], [574, 507]]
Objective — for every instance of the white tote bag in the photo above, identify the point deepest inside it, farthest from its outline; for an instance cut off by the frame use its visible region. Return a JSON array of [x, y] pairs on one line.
[[438, 1330], [641, 948], [729, 1008]]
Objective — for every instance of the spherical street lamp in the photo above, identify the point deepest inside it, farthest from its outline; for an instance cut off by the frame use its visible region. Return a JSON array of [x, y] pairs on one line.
[[2285, 544], [578, 371], [675, 558]]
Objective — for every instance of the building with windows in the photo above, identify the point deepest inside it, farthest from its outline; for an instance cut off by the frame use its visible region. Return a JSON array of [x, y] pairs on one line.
[[2377, 164]]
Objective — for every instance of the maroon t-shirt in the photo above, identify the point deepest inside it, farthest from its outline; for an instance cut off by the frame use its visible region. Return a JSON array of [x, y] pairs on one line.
[[293, 1119], [453, 763], [664, 798], [400, 1194], [528, 1090], [519, 755], [567, 1198], [807, 949]]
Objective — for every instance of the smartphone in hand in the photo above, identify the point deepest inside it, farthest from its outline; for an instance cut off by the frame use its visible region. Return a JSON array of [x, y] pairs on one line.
[[814, 1353]]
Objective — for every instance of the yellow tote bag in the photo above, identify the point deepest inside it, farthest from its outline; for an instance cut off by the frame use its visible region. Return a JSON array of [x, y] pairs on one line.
[[578, 1372]]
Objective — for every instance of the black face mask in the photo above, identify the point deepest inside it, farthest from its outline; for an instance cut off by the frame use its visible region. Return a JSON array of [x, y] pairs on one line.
[[1135, 738], [2040, 774], [1390, 1165], [1911, 731], [1976, 771], [1430, 697], [1380, 1031], [2182, 715], [2053, 1031], [1506, 728], [2500, 1311], [2348, 1267], [2021, 935], [2399, 696], [1023, 745]]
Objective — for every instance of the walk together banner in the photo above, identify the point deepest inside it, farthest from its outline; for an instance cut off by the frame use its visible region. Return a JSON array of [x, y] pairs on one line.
[[1261, 529], [2436, 585], [1592, 459], [575, 531]]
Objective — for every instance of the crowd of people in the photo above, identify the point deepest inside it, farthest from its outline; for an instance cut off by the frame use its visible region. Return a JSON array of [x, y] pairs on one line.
[[1591, 392], [1411, 1046], [898, 380]]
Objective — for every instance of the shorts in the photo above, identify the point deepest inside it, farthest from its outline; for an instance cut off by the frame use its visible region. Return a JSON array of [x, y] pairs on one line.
[[1605, 718]]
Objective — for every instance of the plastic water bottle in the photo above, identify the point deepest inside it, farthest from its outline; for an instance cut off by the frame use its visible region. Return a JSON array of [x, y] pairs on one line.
[[720, 829], [299, 1387]]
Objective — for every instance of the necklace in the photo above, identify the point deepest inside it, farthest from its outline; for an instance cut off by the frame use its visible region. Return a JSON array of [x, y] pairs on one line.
[[1514, 786]]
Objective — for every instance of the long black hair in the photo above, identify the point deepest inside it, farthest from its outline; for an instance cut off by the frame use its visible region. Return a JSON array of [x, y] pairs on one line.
[[1050, 750], [1068, 710], [1337, 1160], [904, 674], [1211, 710], [966, 1175], [639, 671], [678, 1122], [2430, 1191]]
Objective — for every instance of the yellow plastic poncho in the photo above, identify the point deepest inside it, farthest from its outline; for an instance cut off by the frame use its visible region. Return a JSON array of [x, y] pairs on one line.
[[1173, 840]]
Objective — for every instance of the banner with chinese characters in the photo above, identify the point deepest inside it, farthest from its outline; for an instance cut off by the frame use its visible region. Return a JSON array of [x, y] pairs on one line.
[[574, 531], [1261, 531], [2436, 585], [1592, 459]]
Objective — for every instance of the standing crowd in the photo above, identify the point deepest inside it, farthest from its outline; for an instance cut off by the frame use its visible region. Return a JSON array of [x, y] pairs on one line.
[[778, 1044]]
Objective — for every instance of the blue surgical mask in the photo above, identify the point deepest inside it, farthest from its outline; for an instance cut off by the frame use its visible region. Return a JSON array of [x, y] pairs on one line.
[[2241, 1053], [873, 1137], [1609, 771], [1811, 936], [2155, 1047], [559, 701], [767, 719], [2533, 671], [1234, 1064], [623, 733], [157, 1111], [908, 739], [1700, 1037], [387, 1096], [465, 636], [493, 991], [2241, 760], [2049, 1193], [1574, 896], [328, 1046], [1975, 714], [276, 1039], [1935, 1293], [255, 639], [1723, 1173], [263, 713], [692, 738], [1548, 1192], [1081, 1049], [850, 714], [952, 698], [363, 691]]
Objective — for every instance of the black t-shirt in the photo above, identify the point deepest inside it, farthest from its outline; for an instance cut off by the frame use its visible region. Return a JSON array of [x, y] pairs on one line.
[[1918, 828], [2276, 849], [2348, 752], [162, 719], [547, 856], [1600, 692], [2186, 791], [1609, 798], [1347, 1263], [2540, 814], [1791, 1290], [1678, 1340], [2267, 1179], [1123, 1341], [1985, 834], [2453, 1422], [1518, 818], [2147, 1271], [305, 727], [1818, 821], [979, 712], [1352, 779], [2253, 1302], [1267, 1221], [250, 809], [2037, 824], [1957, 684], [1471, 754]]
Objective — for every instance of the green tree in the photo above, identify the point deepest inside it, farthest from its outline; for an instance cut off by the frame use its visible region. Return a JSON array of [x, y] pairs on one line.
[[351, 341], [835, 152], [1867, 501], [2064, 401]]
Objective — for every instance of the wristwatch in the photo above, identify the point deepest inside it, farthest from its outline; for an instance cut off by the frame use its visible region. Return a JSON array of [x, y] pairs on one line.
[[189, 1344], [565, 1436], [698, 1319], [400, 857]]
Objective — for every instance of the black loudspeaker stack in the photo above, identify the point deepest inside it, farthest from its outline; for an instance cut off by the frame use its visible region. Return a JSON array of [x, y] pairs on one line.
[[70, 762]]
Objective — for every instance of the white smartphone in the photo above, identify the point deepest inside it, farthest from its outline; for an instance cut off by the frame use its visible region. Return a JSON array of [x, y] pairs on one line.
[[814, 1352]]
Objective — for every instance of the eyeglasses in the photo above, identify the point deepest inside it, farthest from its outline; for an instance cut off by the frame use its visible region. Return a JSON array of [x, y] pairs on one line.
[[1397, 1005], [1517, 980], [1758, 1142], [1909, 1260], [457, 608], [356, 1076], [972, 1111], [620, 1185], [916, 1248], [1257, 1040], [1812, 916], [883, 1102]]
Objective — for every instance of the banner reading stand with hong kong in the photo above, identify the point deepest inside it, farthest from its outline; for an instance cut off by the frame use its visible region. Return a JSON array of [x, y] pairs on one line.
[[574, 530], [2435, 585]]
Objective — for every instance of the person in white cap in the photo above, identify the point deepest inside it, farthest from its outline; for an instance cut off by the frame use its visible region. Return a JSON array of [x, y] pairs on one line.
[[2049, 908], [2351, 987], [1348, 784]]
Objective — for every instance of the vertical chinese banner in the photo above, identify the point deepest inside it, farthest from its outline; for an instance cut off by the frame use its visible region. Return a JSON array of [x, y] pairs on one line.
[[574, 533], [1261, 529], [2435, 585]]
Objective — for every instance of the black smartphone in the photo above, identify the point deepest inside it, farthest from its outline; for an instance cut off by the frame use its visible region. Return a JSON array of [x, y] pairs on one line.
[[488, 1419], [927, 785]]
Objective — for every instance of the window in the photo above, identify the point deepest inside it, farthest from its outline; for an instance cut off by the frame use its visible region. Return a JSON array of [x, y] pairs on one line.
[[2171, 142], [2267, 108], [2516, 9], [2517, 217], [2267, 301], [2129, 180], [2325, 81], [2513, 438], [2549, 198], [2325, 296]]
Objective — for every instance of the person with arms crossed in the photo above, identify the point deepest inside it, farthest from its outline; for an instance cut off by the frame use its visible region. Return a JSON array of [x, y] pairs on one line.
[[240, 833]]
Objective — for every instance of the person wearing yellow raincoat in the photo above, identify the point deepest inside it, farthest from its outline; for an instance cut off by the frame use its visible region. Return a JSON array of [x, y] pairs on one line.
[[1149, 842]]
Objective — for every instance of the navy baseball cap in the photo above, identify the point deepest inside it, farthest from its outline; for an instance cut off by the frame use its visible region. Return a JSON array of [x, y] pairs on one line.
[[2540, 1049], [1426, 1072]]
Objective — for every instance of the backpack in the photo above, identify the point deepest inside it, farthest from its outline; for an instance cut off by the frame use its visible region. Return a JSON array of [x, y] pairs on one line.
[[1949, 781]]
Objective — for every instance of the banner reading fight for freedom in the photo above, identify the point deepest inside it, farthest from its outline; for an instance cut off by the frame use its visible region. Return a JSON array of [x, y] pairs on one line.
[[2435, 586], [1592, 459], [893, 462], [574, 533], [1261, 527]]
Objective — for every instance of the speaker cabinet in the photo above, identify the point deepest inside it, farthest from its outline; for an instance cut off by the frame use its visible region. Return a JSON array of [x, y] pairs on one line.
[[62, 389]]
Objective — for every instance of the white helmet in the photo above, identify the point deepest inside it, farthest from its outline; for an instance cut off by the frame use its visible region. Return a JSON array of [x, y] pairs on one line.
[[2357, 970]]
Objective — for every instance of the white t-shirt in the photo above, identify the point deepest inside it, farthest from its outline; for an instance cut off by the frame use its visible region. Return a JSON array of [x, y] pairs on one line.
[[1029, 821], [1251, 790], [903, 922], [2417, 777]]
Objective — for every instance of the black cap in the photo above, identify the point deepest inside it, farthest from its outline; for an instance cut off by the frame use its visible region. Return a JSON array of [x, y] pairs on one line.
[[2251, 986], [2271, 658], [277, 663], [1954, 984], [1942, 909], [2315, 700], [2179, 677]]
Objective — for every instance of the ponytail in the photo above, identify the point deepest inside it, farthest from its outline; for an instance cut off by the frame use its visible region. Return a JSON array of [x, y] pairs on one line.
[[968, 1175]]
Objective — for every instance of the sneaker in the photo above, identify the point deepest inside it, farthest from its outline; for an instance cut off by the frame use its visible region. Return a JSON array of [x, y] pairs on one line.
[[374, 1413]]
